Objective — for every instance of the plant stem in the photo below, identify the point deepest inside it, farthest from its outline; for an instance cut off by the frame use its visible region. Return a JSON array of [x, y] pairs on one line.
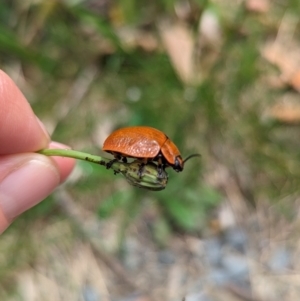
[[74, 154], [149, 179]]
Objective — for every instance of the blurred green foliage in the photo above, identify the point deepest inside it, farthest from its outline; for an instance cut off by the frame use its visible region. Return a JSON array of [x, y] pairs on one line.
[[54, 44]]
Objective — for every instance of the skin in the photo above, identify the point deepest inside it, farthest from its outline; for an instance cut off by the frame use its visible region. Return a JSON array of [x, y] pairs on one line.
[[26, 178]]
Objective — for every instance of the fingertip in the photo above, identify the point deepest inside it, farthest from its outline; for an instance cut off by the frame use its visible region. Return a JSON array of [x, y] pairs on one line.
[[19, 129], [26, 180]]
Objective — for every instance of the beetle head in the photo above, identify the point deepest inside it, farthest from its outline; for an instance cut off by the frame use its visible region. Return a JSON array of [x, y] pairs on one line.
[[178, 165]]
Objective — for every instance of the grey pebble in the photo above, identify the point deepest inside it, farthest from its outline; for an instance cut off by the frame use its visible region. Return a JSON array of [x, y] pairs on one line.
[[236, 238], [89, 294], [217, 276], [236, 266], [280, 260], [201, 296], [166, 257], [213, 250]]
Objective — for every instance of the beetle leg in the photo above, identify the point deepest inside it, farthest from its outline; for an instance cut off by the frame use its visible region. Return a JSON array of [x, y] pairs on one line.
[[110, 163], [160, 166], [117, 158], [160, 169], [141, 170], [141, 167]]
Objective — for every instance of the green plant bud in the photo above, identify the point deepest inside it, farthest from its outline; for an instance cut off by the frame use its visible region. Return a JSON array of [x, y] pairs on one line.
[[146, 177]]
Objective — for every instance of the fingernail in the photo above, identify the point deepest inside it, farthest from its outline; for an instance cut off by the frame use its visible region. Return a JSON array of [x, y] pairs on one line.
[[54, 144], [27, 185], [43, 127]]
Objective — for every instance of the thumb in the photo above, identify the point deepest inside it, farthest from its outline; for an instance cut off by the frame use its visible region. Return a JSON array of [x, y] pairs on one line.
[[25, 180]]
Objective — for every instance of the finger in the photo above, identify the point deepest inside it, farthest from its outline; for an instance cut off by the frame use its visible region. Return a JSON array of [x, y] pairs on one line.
[[35, 176], [20, 130], [25, 180]]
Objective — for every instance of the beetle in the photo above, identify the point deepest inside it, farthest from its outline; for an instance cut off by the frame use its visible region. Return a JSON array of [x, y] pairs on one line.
[[146, 144]]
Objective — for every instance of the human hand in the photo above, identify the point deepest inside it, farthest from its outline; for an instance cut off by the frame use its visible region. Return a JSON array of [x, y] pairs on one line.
[[26, 178]]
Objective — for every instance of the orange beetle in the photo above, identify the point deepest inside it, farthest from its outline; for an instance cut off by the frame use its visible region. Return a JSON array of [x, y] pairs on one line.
[[146, 144]]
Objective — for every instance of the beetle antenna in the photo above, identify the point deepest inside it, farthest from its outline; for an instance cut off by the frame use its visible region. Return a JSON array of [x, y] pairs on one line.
[[191, 156]]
